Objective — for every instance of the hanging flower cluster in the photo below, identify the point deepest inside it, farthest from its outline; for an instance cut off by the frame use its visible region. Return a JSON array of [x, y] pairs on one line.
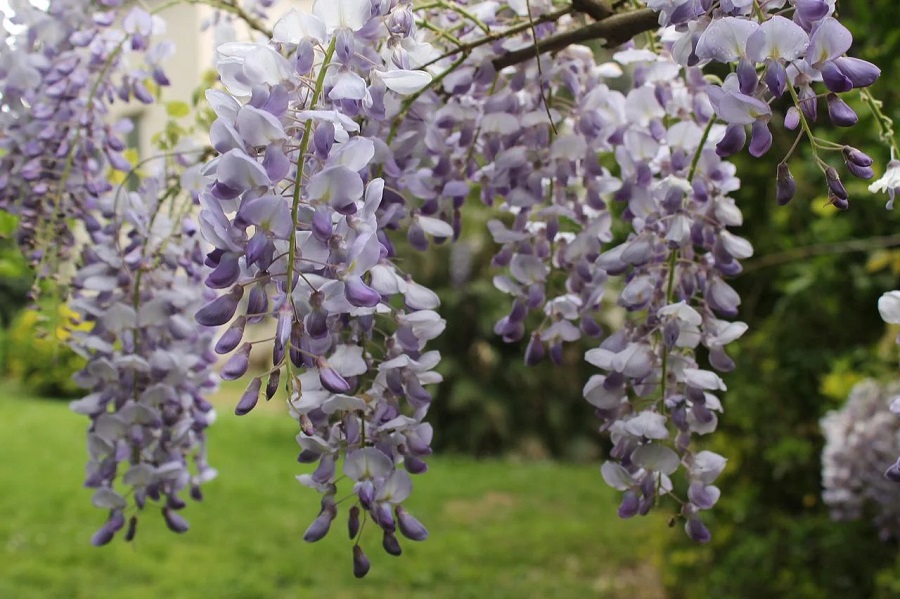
[[58, 82], [860, 439], [298, 226], [149, 365]]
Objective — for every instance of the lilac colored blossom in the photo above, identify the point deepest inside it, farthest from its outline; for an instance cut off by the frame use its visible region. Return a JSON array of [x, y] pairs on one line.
[[859, 460]]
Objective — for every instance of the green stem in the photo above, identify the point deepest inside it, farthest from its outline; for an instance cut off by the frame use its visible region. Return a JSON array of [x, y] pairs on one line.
[[805, 125], [301, 160]]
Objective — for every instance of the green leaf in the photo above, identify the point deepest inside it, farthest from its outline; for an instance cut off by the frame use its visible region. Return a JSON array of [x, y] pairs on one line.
[[178, 109]]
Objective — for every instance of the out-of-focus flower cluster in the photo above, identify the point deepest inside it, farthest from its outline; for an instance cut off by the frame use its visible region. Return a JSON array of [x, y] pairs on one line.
[[149, 365], [860, 439], [58, 80]]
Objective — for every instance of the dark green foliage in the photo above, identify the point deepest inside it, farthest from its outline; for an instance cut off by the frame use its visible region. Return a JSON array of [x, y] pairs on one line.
[[490, 402], [810, 300]]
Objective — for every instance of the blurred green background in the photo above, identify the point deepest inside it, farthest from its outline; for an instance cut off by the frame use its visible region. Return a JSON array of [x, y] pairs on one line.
[[514, 500]]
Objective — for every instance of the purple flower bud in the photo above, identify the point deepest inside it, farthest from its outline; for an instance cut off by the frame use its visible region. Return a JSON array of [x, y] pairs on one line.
[[834, 79], [330, 378], [319, 527], [840, 112], [556, 353], [719, 360], [237, 365], [703, 496], [861, 172], [747, 79], [760, 138], [321, 224], [838, 202], [861, 73], [174, 521], [344, 45], [353, 522], [534, 352], [414, 465], [416, 237], [536, 296], [785, 186], [308, 456], [324, 472], [305, 57], [381, 514], [132, 528], [732, 142], [671, 331], [775, 77], [226, 273], [834, 183], [390, 544], [232, 337], [792, 118], [518, 312], [852, 155], [811, 10], [365, 490], [809, 103], [257, 303], [696, 530], [359, 294], [361, 563], [249, 398], [630, 504], [220, 310], [409, 527], [272, 384]]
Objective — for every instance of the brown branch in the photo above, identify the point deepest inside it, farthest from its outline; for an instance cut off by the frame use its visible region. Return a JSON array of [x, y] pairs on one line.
[[596, 9], [614, 30]]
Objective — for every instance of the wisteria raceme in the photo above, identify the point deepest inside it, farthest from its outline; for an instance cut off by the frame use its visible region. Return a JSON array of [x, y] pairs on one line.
[[58, 81], [860, 439], [370, 123], [149, 366], [297, 224], [560, 248]]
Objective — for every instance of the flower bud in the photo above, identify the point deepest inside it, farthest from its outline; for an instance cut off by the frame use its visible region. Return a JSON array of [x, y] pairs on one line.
[[231, 338], [697, 531], [534, 352], [220, 310], [319, 527], [834, 183], [785, 186], [361, 563], [409, 527], [174, 521], [390, 544], [840, 112], [732, 142], [249, 398], [792, 118], [353, 522], [237, 365]]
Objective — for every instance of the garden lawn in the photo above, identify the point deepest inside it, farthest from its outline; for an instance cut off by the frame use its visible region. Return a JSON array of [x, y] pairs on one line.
[[498, 528]]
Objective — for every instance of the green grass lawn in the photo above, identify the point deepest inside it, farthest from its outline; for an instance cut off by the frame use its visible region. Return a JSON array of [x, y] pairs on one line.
[[498, 528]]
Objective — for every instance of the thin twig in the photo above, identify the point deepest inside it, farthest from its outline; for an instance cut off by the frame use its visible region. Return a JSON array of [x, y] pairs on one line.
[[822, 249], [614, 30]]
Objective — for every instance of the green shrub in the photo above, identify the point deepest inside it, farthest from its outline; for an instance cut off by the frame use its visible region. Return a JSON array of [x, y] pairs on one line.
[[37, 357]]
